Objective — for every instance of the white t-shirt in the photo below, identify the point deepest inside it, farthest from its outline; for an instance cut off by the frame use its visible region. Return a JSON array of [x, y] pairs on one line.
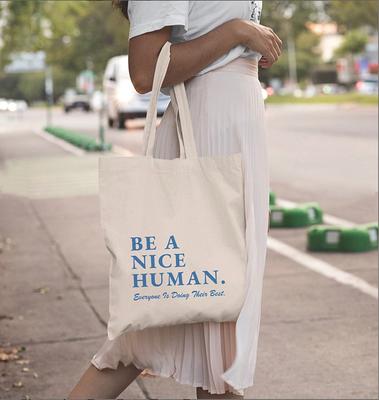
[[191, 19]]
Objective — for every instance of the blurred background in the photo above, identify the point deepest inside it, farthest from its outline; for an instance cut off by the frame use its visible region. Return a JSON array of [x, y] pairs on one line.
[[330, 47], [66, 99]]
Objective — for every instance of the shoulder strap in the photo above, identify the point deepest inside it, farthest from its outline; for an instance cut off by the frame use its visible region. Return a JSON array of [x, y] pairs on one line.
[[180, 101]]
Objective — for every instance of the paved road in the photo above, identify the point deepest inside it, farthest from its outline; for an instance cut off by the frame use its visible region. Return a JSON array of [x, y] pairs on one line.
[[318, 337]]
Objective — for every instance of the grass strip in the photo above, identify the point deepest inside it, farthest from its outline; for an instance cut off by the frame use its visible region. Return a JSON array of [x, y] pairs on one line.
[[78, 139]]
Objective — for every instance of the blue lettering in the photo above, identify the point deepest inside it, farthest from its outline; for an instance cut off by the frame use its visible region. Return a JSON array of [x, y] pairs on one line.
[[150, 243], [139, 278], [136, 243], [172, 281], [193, 277], [179, 258], [154, 281], [152, 261], [171, 242], [161, 260], [213, 278], [139, 261]]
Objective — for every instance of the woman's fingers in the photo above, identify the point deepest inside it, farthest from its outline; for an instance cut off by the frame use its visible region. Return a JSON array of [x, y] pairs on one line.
[[273, 51], [264, 62], [276, 38], [278, 46], [264, 40], [271, 56]]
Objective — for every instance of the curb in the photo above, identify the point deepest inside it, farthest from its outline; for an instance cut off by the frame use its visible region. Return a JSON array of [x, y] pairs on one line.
[[61, 143]]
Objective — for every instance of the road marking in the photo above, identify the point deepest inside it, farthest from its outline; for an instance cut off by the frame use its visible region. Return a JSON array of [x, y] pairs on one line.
[[316, 265], [322, 267], [61, 143]]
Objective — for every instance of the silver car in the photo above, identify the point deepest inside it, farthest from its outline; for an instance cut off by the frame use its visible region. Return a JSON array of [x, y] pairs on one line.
[[123, 102]]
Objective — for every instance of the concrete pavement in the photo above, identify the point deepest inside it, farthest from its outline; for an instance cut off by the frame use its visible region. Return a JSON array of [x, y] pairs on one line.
[[318, 338]]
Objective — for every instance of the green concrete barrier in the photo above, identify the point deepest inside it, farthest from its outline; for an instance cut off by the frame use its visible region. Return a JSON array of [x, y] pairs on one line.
[[359, 238], [272, 200], [304, 214], [78, 139]]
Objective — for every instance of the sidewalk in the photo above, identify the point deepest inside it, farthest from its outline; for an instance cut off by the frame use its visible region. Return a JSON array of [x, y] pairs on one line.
[[54, 296], [54, 266]]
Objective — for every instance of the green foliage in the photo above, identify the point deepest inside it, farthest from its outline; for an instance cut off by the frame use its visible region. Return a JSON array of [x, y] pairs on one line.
[[306, 41], [354, 43], [103, 34], [32, 85], [307, 54], [9, 87], [74, 34], [353, 14], [33, 25], [275, 10]]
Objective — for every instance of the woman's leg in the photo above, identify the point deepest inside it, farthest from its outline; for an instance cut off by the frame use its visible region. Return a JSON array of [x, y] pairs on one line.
[[104, 384], [204, 394]]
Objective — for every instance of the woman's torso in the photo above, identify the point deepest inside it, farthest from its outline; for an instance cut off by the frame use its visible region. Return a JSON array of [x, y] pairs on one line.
[[193, 18], [203, 16]]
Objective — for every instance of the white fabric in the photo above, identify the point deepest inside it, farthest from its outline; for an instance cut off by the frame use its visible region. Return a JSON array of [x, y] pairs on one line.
[[175, 229], [191, 19], [228, 117]]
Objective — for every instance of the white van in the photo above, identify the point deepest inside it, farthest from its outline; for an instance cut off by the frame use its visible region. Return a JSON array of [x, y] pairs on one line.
[[123, 102]]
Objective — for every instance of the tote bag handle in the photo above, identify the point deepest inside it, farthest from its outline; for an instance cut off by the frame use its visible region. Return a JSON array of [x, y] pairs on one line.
[[180, 102]]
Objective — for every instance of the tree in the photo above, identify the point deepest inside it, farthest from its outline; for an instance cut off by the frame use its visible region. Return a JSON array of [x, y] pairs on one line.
[[32, 25], [306, 41], [354, 43], [303, 11], [74, 35], [352, 14], [307, 53]]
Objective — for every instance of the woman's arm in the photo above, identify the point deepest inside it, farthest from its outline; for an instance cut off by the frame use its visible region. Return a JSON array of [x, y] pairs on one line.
[[190, 57]]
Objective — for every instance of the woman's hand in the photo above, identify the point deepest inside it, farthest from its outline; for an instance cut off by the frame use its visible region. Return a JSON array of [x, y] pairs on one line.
[[262, 39]]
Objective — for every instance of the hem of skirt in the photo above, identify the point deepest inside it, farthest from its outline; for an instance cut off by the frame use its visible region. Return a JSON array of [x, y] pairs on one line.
[[235, 385], [163, 375]]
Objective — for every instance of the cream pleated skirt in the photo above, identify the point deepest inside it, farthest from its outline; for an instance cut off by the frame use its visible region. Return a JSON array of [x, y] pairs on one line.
[[227, 111]]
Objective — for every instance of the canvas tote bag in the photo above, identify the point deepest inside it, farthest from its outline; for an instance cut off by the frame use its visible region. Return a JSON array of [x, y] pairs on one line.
[[175, 228]]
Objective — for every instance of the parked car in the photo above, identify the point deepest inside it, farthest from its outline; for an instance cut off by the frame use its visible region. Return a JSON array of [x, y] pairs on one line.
[[367, 86], [72, 99], [13, 105], [123, 102]]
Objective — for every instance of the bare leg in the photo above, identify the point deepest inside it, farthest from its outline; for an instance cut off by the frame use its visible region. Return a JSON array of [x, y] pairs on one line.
[[204, 394], [104, 384]]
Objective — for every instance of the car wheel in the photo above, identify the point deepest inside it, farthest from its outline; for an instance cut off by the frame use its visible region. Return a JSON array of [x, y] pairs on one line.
[[121, 122], [66, 109], [110, 122]]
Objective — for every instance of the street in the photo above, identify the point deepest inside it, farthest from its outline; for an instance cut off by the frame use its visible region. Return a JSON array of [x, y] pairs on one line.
[[318, 332]]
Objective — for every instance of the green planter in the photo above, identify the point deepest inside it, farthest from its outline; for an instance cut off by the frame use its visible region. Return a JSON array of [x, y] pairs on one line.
[[78, 139], [303, 215], [272, 200], [334, 238]]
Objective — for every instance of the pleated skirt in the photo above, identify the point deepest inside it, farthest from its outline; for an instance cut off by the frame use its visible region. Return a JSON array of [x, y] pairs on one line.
[[227, 110]]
